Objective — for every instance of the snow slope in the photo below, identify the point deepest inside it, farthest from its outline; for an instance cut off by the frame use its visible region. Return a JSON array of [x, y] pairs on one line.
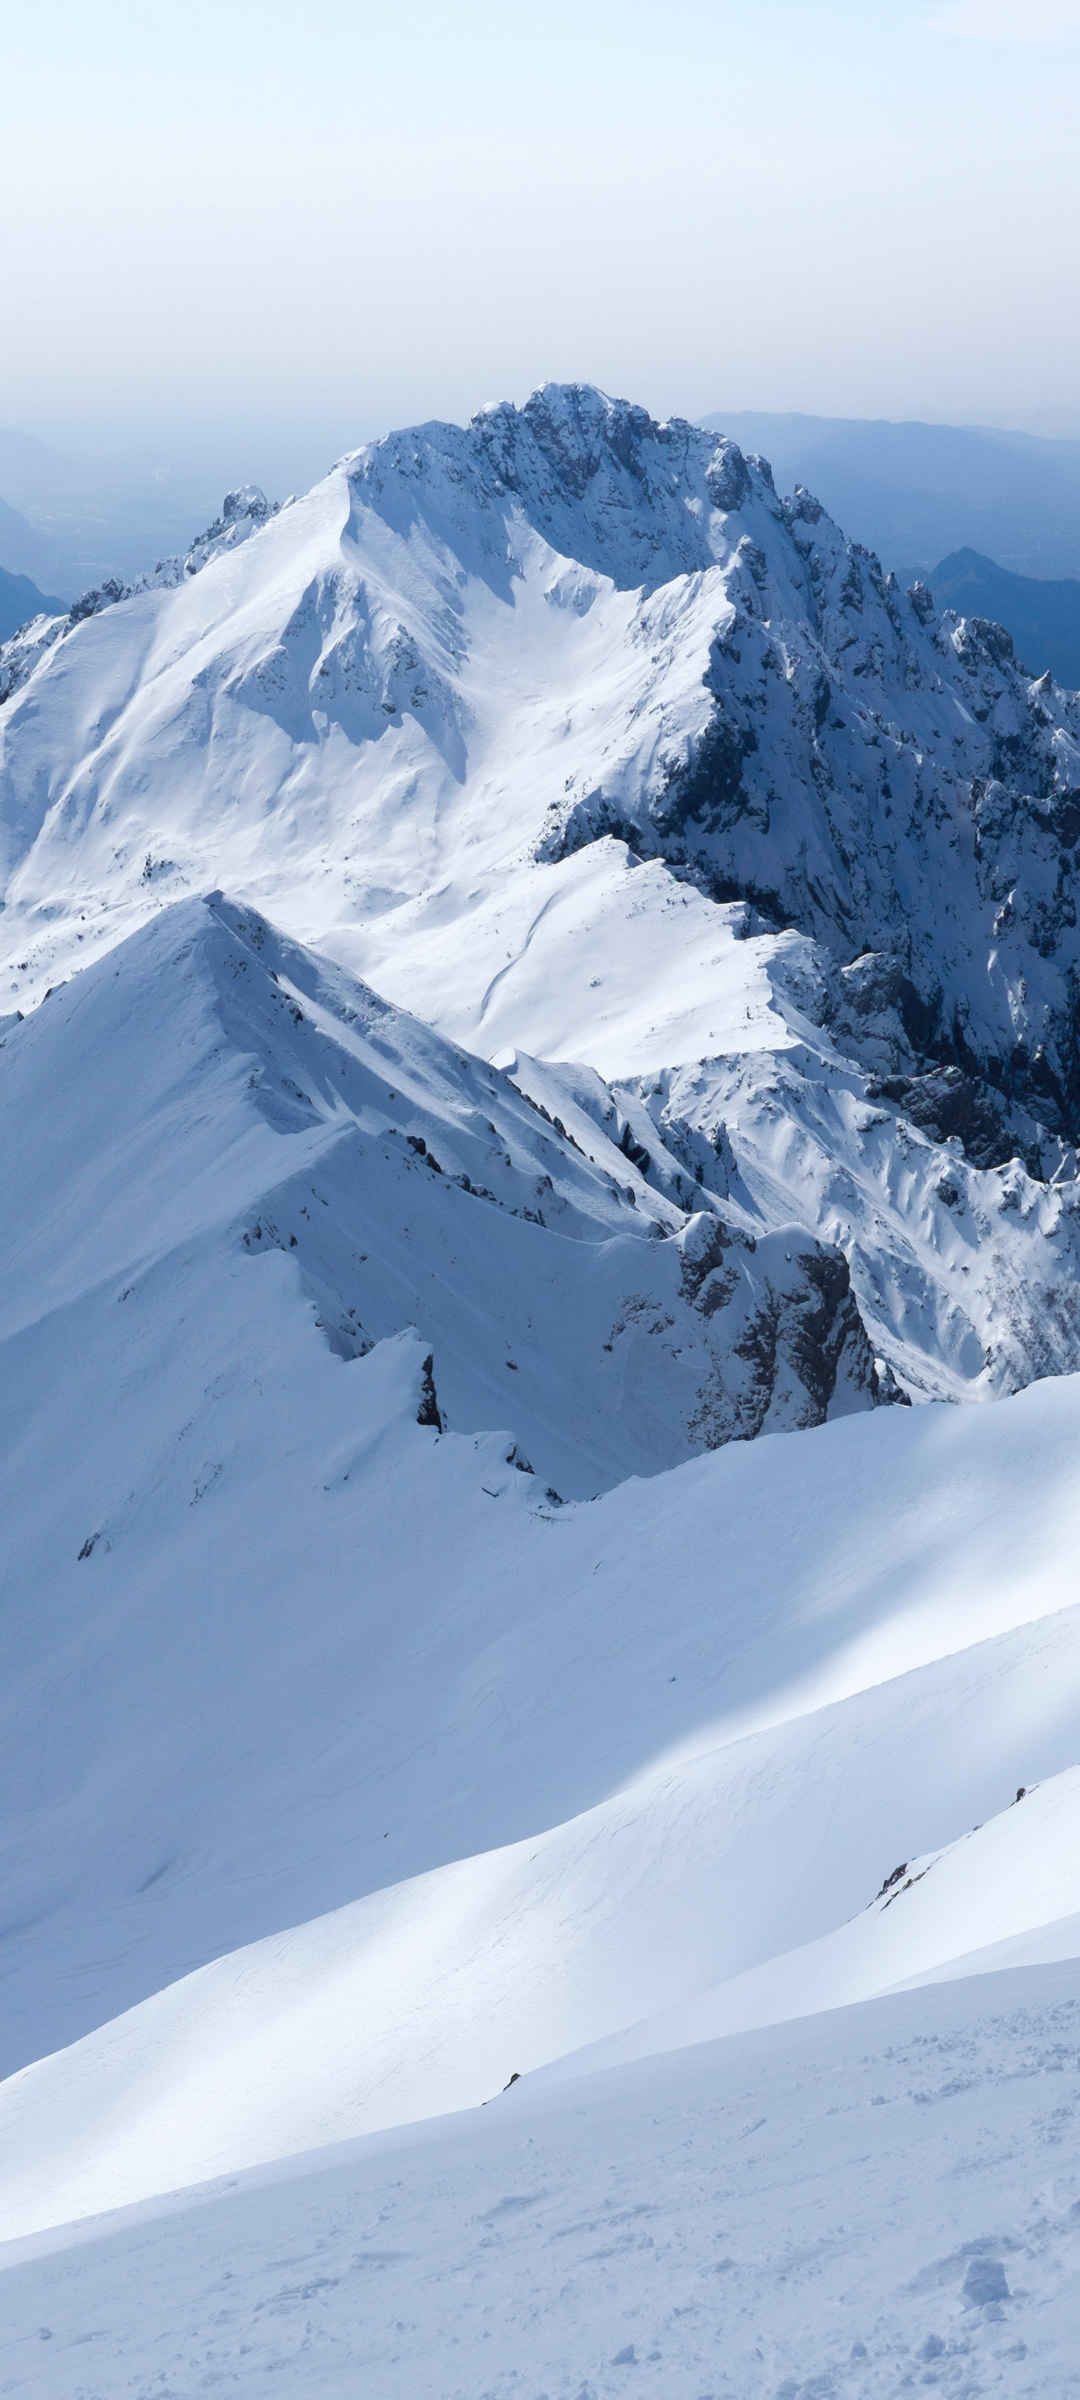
[[1006, 1894], [882, 2200], [231, 1183], [586, 1763]]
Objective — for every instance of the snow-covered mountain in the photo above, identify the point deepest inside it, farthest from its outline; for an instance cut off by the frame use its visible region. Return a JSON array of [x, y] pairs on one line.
[[564, 620], [571, 737], [539, 991]]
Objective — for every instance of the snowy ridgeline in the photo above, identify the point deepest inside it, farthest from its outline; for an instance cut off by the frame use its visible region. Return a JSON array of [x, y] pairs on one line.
[[414, 1676]]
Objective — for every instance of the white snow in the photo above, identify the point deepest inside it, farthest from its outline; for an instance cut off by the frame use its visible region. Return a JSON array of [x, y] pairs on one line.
[[880, 2200]]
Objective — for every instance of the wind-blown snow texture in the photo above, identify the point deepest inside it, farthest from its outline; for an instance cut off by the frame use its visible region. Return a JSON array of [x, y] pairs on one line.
[[880, 2201], [413, 1673]]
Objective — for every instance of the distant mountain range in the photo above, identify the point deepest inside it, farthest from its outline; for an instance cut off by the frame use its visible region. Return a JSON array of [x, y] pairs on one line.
[[1042, 617], [916, 493], [23, 550], [20, 600]]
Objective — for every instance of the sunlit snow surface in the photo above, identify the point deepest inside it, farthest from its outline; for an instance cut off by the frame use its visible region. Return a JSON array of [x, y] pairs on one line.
[[879, 2201]]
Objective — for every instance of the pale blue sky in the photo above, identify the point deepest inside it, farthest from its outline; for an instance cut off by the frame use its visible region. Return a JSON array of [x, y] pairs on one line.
[[329, 216]]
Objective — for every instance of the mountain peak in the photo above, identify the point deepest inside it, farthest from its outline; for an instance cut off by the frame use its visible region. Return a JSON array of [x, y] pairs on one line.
[[577, 425], [638, 499]]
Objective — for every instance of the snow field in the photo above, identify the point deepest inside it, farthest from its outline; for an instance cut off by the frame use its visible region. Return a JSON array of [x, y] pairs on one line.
[[879, 2200]]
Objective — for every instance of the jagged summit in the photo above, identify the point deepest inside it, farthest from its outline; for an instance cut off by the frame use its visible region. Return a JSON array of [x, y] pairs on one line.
[[599, 479]]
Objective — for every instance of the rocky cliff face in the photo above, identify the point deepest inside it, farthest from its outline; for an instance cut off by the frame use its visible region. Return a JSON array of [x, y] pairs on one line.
[[889, 781]]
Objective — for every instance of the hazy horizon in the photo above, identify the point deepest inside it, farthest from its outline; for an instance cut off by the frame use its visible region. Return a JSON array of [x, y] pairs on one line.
[[104, 442], [78, 503], [246, 219]]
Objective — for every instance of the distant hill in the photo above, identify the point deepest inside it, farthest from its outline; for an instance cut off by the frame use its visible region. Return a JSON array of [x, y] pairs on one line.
[[26, 550], [1043, 618], [71, 521], [915, 492], [21, 599]]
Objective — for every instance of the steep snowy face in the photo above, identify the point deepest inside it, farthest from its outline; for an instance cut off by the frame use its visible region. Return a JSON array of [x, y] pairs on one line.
[[213, 1084], [369, 707], [894, 785], [603, 483]]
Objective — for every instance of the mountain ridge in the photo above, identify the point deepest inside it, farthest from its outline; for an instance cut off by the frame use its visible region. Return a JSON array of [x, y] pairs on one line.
[[914, 490]]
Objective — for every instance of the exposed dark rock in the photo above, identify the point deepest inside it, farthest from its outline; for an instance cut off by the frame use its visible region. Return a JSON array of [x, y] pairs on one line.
[[428, 1412]]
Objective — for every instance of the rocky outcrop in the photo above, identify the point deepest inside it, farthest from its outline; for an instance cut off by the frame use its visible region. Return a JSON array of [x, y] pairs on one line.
[[792, 1348], [885, 779]]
